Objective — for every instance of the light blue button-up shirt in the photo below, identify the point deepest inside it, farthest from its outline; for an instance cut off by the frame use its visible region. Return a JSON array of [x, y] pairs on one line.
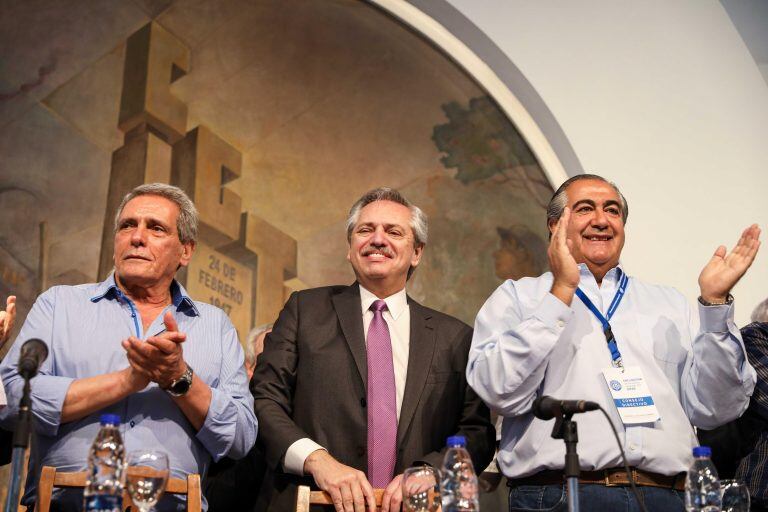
[[527, 343], [83, 327]]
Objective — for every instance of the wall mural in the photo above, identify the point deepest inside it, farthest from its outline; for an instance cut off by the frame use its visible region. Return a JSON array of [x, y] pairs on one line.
[[275, 117]]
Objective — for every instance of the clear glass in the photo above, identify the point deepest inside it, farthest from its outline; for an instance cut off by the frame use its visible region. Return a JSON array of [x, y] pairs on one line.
[[735, 496], [146, 476], [421, 489]]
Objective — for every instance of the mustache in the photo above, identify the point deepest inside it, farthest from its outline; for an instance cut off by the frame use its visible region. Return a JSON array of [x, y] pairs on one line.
[[371, 249]]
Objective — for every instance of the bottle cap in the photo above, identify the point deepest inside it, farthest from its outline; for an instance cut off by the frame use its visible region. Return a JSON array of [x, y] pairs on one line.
[[456, 441], [110, 419], [702, 451]]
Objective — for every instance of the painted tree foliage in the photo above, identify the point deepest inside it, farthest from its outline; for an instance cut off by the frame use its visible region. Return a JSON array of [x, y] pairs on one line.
[[481, 143]]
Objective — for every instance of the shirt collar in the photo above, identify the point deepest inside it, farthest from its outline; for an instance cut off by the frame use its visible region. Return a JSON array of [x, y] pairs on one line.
[[396, 303], [108, 289], [613, 275]]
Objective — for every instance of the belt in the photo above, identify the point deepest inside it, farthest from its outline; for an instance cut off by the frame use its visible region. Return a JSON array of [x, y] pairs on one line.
[[613, 477]]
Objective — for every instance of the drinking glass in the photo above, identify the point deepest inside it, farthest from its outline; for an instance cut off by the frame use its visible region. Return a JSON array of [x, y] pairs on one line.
[[421, 489], [146, 477], [735, 496]]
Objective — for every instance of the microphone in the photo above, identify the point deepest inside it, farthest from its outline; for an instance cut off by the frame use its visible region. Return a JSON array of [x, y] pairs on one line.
[[546, 407], [33, 353]]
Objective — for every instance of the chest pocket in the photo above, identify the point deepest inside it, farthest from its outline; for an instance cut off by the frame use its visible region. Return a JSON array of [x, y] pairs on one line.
[[668, 342]]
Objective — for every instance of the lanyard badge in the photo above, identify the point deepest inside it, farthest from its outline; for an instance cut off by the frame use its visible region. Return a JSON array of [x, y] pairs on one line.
[[604, 320], [627, 385]]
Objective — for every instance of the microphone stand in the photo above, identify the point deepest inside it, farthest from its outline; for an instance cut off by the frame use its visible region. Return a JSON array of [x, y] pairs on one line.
[[20, 444], [566, 429]]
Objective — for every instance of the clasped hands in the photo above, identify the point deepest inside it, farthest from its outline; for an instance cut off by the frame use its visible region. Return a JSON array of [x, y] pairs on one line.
[[348, 487], [157, 359]]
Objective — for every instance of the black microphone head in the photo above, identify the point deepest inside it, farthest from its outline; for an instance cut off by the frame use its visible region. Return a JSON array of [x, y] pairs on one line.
[[33, 352], [542, 407]]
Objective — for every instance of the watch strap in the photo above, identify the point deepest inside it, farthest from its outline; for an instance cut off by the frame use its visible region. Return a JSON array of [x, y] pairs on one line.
[[728, 300]]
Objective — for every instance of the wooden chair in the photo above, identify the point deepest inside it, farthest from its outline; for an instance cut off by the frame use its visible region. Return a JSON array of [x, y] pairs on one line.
[[306, 497], [50, 478]]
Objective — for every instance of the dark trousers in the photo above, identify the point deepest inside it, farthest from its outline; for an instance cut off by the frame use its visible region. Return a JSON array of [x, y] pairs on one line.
[[594, 498]]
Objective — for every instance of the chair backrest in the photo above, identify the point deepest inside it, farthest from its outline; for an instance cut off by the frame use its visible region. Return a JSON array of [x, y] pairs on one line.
[[50, 478], [306, 497]]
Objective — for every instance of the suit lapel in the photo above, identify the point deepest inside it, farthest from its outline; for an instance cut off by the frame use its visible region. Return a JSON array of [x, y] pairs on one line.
[[348, 309], [420, 352]]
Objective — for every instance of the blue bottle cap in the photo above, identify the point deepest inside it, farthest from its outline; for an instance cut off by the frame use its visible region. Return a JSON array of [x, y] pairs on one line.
[[456, 441], [702, 451], [110, 419]]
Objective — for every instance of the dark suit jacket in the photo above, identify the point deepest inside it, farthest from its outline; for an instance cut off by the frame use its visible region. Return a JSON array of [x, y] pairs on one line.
[[310, 381], [232, 485]]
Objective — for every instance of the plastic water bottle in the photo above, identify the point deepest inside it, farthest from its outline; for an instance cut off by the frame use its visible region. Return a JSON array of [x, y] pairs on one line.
[[106, 462], [458, 489], [702, 485]]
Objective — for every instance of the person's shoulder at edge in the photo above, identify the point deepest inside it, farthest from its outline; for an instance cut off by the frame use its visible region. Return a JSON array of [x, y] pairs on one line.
[[755, 331]]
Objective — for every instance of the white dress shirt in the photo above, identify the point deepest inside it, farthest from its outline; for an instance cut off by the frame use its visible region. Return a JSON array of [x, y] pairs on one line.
[[398, 318], [527, 343]]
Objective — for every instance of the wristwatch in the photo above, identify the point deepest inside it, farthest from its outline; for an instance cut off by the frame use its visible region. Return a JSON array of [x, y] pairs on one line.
[[180, 386], [728, 300]]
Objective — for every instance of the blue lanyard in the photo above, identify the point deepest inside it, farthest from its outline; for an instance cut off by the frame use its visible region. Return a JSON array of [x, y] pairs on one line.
[[609, 337]]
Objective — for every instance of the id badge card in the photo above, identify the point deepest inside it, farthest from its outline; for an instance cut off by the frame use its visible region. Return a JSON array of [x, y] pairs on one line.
[[631, 395]]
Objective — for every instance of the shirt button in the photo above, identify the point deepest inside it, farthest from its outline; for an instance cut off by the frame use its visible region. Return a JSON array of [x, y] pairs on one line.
[[133, 423], [560, 323], [632, 447]]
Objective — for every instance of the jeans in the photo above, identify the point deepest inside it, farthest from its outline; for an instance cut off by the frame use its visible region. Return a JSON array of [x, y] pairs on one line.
[[594, 497]]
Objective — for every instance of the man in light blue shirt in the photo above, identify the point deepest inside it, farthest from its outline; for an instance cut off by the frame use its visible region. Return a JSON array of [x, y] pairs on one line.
[[538, 336], [137, 346]]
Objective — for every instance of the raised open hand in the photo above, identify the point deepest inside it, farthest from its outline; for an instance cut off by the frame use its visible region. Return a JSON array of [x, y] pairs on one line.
[[562, 263], [723, 271]]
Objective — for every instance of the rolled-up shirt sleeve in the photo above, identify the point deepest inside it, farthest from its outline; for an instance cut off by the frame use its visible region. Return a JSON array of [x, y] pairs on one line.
[[230, 426], [47, 391]]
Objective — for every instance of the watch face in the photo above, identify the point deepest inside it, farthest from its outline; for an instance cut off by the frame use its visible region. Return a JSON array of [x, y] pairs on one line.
[[180, 387]]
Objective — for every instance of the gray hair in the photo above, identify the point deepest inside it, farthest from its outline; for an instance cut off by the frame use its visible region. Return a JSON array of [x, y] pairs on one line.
[[560, 200], [186, 224], [760, 313], [250, 350], [418, 217]]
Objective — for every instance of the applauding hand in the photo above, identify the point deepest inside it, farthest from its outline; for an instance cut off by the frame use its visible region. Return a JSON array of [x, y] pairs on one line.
[[723, 271], [562, 263], [159, 358]]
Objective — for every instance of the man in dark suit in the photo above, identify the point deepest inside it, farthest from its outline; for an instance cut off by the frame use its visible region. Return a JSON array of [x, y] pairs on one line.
[[356, 383]]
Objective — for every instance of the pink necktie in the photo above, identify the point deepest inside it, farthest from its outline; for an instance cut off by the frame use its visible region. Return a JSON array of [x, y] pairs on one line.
[[382, 404]]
